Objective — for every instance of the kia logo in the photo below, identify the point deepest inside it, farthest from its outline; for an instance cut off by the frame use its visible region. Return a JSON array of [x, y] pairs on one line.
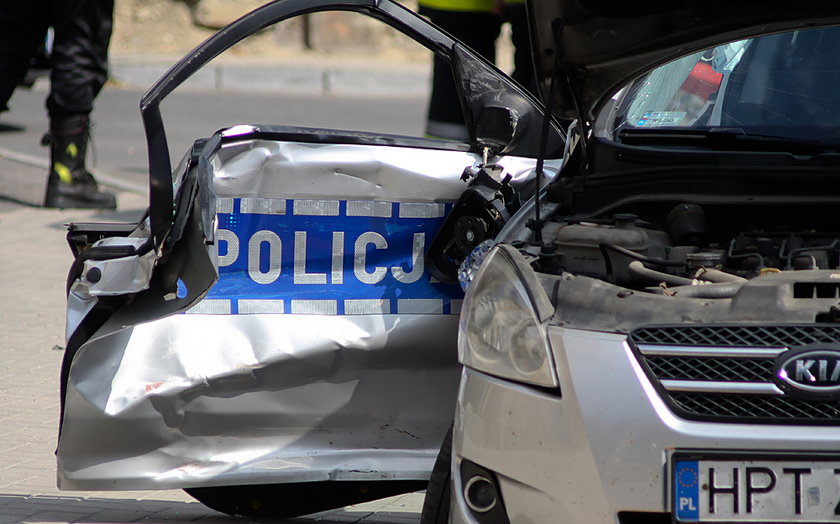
[[810, 370]]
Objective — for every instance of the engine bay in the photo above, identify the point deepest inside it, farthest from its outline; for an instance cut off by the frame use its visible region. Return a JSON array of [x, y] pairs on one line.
[[687, 249], [639, 239]]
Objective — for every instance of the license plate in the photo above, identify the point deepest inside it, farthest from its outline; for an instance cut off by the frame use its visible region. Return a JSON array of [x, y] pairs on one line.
[[764, 489]]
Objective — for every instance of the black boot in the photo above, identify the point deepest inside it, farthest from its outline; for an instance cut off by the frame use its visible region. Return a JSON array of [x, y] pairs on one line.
[[70, 185]]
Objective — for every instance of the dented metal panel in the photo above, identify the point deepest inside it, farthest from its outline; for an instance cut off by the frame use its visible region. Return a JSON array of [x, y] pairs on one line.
[[324, 351], [269, 169], [209, 400]]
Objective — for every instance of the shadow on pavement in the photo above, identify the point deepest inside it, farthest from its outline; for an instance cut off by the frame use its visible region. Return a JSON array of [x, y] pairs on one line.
[[8, 203], [17, 508], [51, 509], [11, 128]]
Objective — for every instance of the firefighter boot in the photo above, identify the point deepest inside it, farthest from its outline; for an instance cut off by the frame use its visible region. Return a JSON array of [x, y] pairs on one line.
[[70, 185]]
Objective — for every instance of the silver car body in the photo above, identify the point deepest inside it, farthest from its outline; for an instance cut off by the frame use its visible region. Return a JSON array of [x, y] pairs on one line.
[[605, 447], [255, 385], [272, 320], [613, 382]]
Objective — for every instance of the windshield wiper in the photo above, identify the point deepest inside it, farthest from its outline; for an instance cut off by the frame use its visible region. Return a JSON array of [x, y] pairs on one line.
[[725, 138]]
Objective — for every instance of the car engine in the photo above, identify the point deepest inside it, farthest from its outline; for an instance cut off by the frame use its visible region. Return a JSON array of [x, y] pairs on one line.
[[680, 251]]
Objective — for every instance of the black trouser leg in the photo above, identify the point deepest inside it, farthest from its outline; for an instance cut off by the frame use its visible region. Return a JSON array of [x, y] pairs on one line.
[[80, 59], [523, 58], [23, 27], [79, 70], [478, 31]]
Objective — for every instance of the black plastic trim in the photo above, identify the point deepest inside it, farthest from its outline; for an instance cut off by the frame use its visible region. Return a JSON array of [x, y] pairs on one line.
[[81, 235], [336, 136], [498, 513], [682, 413]]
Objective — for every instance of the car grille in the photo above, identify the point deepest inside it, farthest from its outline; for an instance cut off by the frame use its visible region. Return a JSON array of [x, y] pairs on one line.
[[746, 336], [725, 373]]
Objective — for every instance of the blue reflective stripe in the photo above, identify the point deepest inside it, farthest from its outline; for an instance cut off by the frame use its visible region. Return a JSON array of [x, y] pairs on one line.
[[329, 257], [687, 492]]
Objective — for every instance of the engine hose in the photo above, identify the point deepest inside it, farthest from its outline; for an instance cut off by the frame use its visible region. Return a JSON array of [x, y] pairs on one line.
[[638, 268], [716, 275], [722, 290], [632, 254]]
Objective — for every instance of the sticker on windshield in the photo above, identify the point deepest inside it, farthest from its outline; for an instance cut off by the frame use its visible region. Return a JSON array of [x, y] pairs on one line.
[[328, 257], [661, 118]]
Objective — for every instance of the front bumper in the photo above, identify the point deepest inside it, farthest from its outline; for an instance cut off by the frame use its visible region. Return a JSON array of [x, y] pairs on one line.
[[602, 446]]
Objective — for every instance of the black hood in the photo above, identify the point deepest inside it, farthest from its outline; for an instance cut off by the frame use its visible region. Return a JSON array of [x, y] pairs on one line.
[[605, 44]]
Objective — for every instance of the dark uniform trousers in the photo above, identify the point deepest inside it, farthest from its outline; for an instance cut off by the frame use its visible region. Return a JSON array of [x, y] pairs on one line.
[[82, 30], [478, 30]]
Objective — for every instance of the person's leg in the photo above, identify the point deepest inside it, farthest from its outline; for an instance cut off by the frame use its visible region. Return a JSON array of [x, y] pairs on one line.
[[478, 31], [79, 70], [80, 59], [523, 61], [23, 27]]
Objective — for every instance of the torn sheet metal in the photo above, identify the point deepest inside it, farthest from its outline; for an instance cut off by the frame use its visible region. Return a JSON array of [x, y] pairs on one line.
[[291, 170], [116, 276], [324, 351], [200, 400]]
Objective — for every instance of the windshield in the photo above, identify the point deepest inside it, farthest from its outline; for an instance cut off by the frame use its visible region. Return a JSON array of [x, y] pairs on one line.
[[783, 85]]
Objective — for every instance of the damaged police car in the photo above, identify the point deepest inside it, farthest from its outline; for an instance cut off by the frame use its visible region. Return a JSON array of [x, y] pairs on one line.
[[271, 336], [654, 338]]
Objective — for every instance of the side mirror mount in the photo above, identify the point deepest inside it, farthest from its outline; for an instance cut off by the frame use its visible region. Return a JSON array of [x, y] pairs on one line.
[[496, 128]]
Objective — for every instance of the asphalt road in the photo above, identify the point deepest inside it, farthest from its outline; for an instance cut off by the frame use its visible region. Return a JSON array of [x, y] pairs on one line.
[[119, 140]]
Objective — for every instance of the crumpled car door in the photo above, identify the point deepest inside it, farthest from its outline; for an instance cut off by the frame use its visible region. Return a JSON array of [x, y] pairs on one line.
[[270, 329]]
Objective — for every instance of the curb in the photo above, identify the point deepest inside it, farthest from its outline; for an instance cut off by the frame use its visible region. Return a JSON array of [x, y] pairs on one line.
[[402, 79]]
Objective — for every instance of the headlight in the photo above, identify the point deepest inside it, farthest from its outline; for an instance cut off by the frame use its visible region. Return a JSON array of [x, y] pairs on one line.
[[502, 330]]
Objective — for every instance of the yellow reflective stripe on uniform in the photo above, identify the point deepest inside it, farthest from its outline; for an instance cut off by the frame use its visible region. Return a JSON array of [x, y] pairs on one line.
[[459, 5]]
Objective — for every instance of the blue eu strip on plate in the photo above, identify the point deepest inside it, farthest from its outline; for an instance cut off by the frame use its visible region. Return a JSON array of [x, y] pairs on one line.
[[687, 490]]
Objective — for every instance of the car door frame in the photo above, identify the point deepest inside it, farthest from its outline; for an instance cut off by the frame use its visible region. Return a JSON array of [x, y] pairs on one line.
[[493, 86]]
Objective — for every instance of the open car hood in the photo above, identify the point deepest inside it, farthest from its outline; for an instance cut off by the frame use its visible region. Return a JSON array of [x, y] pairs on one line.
[[604, 45]]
